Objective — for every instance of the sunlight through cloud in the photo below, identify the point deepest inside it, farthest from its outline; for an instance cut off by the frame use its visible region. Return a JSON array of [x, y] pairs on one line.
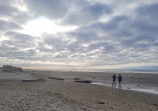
[[43, 25]]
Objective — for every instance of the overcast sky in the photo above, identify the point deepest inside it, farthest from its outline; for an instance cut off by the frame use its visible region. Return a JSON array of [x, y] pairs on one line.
[[77, 34]]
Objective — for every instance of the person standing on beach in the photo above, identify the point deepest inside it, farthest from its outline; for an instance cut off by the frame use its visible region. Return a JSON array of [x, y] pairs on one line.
[[120, 79], [114, 80]]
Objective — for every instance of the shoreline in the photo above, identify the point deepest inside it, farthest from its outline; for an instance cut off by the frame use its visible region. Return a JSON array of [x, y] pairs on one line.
[[132, 87], [101, 71]]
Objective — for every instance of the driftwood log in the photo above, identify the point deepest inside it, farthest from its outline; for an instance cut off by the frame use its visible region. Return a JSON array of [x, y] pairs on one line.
[[36, 80], [83, 81], [55, 78]]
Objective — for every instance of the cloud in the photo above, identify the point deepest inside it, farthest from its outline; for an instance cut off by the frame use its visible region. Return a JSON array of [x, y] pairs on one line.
[[87, 13], [43, 48], [19, 40], [6, 9], [5, 26], [56, 42], [107, 34], [72, 12], [18, 36], [17, 45], [148, 12], [48, 8], [127, 34], [128, 31], [22, 18]]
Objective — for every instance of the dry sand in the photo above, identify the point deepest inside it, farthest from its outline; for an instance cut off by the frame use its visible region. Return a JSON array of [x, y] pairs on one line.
[[58, 95]]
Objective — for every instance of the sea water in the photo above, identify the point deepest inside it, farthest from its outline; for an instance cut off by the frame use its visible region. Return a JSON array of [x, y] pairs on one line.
[[134, 87]]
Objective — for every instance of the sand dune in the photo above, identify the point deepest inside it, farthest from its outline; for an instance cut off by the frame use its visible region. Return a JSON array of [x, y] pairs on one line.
[[16, 75]]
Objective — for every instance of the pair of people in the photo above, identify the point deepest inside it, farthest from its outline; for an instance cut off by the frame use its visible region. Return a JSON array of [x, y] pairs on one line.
[[114, 79]]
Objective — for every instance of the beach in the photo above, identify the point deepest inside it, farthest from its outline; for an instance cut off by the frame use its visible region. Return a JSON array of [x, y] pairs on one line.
[[58, 91]]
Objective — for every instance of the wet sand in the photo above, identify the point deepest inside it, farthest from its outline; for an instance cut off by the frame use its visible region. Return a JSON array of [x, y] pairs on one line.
[[67, 95]]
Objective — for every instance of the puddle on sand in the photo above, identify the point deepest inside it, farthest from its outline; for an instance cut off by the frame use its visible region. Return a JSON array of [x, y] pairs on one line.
[[134, 87]]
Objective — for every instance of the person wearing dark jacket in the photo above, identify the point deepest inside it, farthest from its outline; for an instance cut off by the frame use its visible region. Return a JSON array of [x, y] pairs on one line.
[[114, 80], [120, 79]]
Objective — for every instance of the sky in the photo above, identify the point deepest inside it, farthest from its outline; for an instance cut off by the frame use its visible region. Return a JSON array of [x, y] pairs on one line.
[[79, 34]]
